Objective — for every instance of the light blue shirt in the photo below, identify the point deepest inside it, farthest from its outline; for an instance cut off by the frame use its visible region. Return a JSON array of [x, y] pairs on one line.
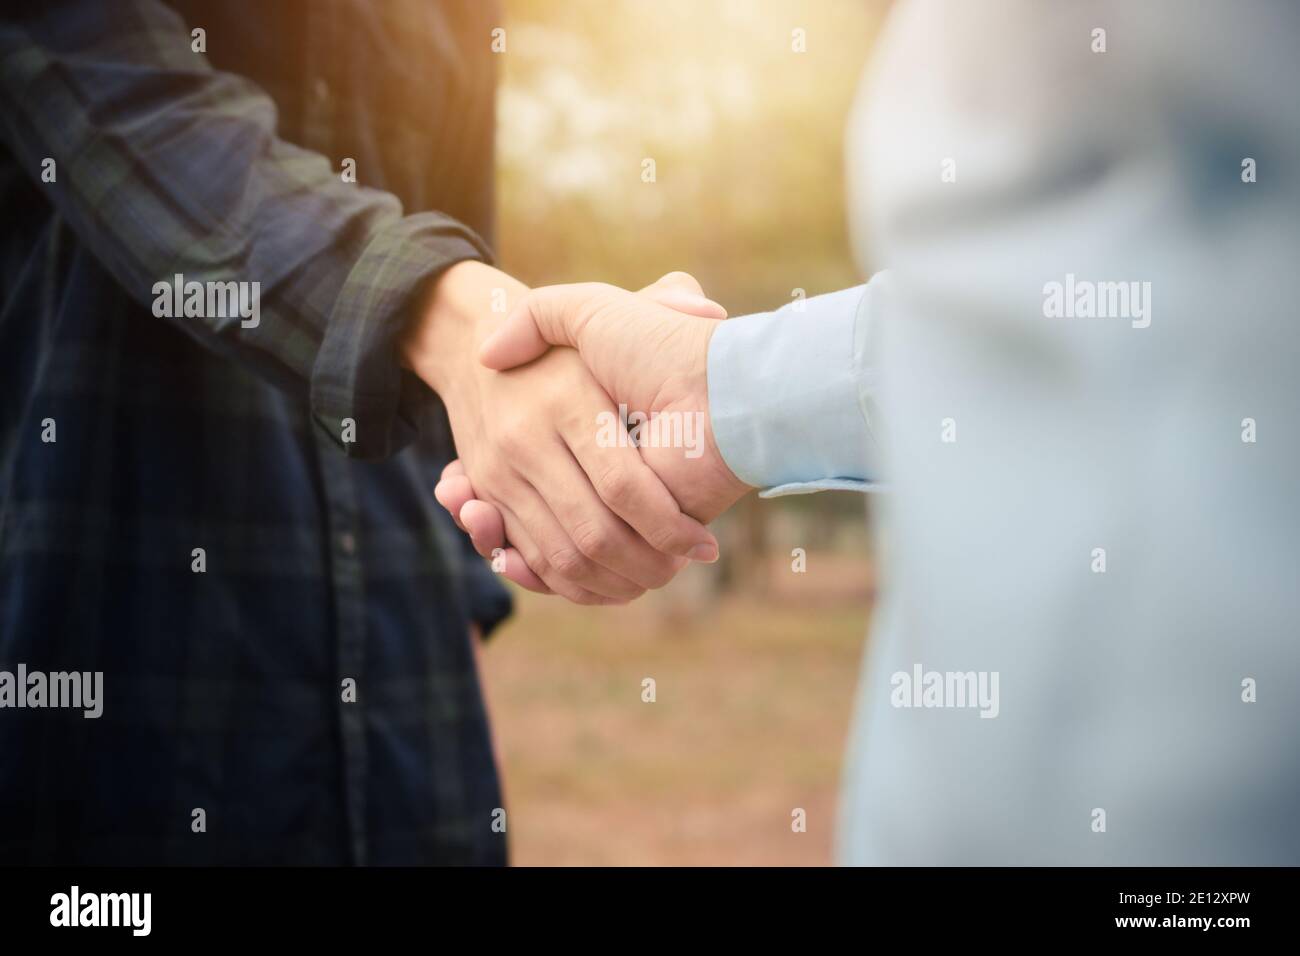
[[789, 393], [1095, 506]]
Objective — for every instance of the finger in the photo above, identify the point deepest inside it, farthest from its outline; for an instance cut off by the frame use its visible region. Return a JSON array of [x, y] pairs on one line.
[[599, 534], [554, 557], [510, 564], [563, 555], [630, 489], [487, 530], [486, 541], [681, 291], [556, 315], [677, 279], [687, 302], [485, 526], [534, 557], [452, 492], [551, 315], [517, 570]]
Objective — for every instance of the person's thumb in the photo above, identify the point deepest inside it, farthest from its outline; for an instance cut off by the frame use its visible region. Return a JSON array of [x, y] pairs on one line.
[[550, 315], [555, 315], [682, 292]]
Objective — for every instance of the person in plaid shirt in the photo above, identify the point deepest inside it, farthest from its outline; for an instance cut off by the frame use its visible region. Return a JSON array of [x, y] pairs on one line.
[[232, 518]]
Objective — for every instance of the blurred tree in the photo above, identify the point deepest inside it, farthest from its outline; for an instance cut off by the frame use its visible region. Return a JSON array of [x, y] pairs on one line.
[[745, 135]]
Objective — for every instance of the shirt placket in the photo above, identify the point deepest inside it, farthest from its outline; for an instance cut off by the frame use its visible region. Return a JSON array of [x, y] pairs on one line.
[[348, 591]]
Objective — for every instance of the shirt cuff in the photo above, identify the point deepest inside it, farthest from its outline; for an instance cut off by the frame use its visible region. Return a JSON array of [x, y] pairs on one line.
[[357, 374], [821, 484], [784, 396], [488, 601]]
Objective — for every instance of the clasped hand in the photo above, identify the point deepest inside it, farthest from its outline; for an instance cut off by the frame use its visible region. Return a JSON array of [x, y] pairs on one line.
[[538, 486]]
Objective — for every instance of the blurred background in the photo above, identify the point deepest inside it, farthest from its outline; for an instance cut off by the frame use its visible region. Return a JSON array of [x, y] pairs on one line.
[[754, 662]]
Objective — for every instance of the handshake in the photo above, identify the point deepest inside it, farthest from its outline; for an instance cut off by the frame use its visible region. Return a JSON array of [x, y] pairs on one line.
[[586, 470]]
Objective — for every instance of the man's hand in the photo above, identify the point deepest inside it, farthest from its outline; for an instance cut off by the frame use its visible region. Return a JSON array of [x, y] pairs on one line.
[[594, 523], [649, 357]]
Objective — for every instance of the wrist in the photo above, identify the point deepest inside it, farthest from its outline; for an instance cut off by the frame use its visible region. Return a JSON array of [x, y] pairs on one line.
[[457, 311]]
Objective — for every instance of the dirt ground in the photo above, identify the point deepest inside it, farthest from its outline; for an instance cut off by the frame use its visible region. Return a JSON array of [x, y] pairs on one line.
[[752, 704]]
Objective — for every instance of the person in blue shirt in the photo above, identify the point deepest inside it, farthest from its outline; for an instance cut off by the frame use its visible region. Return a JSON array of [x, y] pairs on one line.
[[1073, 372]]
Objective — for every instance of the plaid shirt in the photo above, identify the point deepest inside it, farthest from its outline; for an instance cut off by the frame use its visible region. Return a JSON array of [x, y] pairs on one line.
[[323, 560]]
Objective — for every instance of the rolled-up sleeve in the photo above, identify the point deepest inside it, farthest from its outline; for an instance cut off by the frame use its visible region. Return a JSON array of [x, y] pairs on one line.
[[165, 167], [789, 393]]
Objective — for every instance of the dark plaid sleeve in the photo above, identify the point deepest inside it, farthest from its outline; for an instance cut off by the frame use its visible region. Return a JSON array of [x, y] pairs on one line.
[[488, 603], [165, 166]]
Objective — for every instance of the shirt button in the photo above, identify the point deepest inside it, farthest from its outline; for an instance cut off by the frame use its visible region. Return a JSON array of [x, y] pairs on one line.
[[348, 543], [321, 89]]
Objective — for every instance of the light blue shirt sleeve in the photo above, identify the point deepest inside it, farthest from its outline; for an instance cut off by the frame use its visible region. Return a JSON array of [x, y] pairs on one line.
[[789, 393]]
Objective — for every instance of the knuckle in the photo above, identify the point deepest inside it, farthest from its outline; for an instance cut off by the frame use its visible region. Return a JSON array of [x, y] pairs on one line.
[[663, 537], [536, 563], [597, 540], [514, 438], [617, 487], [569, 563], [575, 418]]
